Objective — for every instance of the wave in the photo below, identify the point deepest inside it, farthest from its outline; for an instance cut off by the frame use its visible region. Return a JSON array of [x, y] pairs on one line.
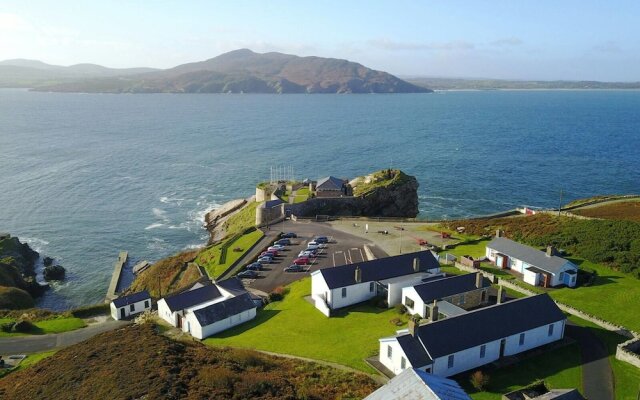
[[154, 226], [35, 243]]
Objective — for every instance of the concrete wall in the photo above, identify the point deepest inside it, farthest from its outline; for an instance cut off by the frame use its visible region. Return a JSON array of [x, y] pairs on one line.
[[394, 364], [165, 313], [138, 308], [418, 304], [269, 215], [355, 294], [629, 351], [394, 295]]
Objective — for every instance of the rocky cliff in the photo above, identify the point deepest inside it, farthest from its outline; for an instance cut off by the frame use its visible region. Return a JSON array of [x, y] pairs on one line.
[[386, 193], [18, 284]]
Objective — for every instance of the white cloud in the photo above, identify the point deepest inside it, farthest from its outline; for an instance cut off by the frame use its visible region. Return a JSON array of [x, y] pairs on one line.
[[386, 44]]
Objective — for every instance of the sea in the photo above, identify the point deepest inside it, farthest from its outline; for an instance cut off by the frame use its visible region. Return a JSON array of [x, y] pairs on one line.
[[83, 176]]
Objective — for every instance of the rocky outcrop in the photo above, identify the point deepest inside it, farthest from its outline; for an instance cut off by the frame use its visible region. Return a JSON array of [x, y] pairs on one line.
[[396, 196], [17, 274], [54, 273]]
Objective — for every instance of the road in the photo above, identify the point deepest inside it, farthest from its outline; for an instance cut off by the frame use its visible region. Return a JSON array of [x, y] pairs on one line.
[[39, 343], [597, 376]]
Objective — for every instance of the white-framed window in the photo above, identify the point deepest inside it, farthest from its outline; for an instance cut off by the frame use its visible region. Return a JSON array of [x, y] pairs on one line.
[[450, 361], [550, 332], [146, 304], [372, 286], [483, 351], [132, 307], [408, 302], [521, 339], [389, 351], [403, 363], [344, 292]]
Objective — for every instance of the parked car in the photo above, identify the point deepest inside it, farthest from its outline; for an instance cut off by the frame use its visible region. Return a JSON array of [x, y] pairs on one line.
[[267, 254], [307, 253], [283, 242], [247, 273], [294, 268], [323, 245], [265, 260], [321, 239], [278, 247], [273, 250], [302, 261], [256, 266], [313, 243], [312, 246], [289, 235]]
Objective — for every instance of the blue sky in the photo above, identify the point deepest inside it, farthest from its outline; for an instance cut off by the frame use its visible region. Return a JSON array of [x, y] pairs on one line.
[[575, 40]]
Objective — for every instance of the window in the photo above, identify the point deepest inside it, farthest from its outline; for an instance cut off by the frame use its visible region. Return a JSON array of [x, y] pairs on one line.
[[450, 362], [132, 307], [521, 339], [146, 304], [344, 292], [408, 302], [462, 298], [389, 351], [483, 297], [371, 286], [403, 363], [561, 276], [483, 350], [550, 333]]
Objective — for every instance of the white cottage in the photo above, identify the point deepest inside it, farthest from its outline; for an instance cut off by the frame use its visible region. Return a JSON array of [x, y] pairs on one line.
[[457, 344], [206, 309], [126, 306], [342, 286], [538, 268]]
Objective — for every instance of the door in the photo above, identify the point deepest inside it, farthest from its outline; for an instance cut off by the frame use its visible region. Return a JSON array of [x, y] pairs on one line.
[[180, 321], [503, 344], [122, 313]]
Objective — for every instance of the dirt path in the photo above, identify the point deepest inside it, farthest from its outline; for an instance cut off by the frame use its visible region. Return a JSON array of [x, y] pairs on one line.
[[597, 376]]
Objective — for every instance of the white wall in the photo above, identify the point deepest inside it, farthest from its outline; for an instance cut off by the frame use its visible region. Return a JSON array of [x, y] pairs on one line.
[[393, 363], [396, 285], [418, 306], [138, 308], [534, 338], [200, 332], [532, 278], [355, 294], [318, 285], [166, 314]]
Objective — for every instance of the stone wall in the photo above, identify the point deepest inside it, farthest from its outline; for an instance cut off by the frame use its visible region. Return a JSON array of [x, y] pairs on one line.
[[629, 351], [271, 215]]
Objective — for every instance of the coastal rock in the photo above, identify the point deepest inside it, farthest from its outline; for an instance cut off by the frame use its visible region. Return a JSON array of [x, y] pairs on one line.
[[54, 273], [47, 261], [17, 274]]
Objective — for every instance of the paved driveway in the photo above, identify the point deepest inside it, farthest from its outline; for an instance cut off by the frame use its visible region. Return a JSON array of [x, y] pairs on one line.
[[597, 377]]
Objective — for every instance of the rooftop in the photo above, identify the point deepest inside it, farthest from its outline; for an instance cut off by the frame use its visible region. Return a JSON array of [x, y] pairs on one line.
[[330, 183], [440, 288], [131, 298], [224, 309], [192, 297], [415, 384], [535, 257], [379, 269]]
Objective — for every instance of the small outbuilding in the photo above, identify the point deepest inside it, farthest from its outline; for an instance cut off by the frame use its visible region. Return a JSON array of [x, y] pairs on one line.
[[132, 304]]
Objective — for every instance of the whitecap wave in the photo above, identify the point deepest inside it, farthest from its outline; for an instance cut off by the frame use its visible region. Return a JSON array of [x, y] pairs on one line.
[[35, 243], [154, 226]]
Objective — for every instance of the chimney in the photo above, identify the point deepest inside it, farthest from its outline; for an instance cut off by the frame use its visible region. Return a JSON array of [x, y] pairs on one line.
[[434, 311], [498, 233], [358, 276], [416, 264], [551, 251], [479, 277], [413, 326], [500, 294]]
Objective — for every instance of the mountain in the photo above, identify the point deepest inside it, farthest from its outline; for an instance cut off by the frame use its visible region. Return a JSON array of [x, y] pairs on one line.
[[497, 84], [136, 362], [243, 71], [34, 73]]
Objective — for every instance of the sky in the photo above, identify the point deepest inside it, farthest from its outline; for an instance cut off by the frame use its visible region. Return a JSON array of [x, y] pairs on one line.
[[509, 39]]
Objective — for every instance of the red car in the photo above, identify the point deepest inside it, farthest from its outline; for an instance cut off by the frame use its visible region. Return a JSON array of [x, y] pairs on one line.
[[302, 261]]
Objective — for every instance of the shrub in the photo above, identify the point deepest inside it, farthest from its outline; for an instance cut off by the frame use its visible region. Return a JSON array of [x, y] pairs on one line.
[[396, 321], [278, 293], [91, 311], [400, 309], [479, 380], [23, 326]]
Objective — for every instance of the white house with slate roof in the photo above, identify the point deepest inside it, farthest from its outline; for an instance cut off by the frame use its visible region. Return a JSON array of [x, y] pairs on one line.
[[342, 286], [415, 384], [126, 306], [538, 268], [206, 309], [457, 344]]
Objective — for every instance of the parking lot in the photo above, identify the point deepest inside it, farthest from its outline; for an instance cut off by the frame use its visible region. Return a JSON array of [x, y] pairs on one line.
[[343, 248]]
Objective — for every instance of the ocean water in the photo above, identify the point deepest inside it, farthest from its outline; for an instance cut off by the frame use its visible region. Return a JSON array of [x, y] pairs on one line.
[[84, 176]]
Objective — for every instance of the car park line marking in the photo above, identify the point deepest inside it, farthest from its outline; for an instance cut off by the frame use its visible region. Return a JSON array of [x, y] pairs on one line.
[[361, 255]]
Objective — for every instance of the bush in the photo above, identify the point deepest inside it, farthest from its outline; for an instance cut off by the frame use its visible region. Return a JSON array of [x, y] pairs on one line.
[[278, 293], [91, 311], [23, 326], [400, 309], [479, 380]]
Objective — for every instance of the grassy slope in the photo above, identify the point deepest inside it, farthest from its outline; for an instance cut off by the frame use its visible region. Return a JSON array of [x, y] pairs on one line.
[[54, 325], [169, 273], [624, 210], [210, 257], [558, 368], [379, 179], [294, 326], [241, 220]]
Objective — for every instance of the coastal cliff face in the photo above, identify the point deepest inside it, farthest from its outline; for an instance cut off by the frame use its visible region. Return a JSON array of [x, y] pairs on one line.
[[18, 284], [387, 193]]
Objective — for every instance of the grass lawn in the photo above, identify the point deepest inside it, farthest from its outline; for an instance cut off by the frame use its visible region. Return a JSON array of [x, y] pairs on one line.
[[210, 258], [626, 376], [301, 195], [475, 250], [560, 368], [55, 325], [294, 326], [243, 219], [621, 292]]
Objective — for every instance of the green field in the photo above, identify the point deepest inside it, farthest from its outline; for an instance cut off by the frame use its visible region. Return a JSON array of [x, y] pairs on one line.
[[560, 369], [54, 325], [210, 257], [241, 220], [295, 326]]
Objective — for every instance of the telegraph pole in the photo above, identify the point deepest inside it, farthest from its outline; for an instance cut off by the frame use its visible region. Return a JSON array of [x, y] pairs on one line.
[[560, 204]]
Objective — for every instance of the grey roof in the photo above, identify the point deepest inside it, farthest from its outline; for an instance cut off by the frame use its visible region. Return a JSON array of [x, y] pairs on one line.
[[379, 269], [415, 384], [234, 286], [450, 310], [440, 288], [534, 257], [414, 351], [131, 298], [560, 394], [224, 309], [272, 203], [484, 325], [330, 183], [192, 297]]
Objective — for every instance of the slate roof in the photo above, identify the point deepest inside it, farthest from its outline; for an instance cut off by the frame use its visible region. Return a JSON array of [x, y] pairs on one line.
[[445, 287], [224, 309], [484, 325], [192, 297], [330, 183], [414, 351], [379, 269], [132, 298], [528, 254], [415, 384], [272, 203]]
